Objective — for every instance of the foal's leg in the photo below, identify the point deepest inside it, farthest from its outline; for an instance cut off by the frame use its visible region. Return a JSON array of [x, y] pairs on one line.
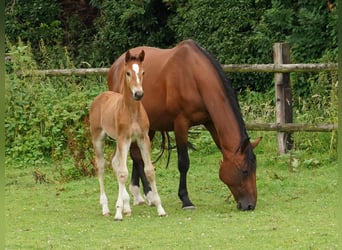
[[119, 163], [139, 173], [152, 196], [98, 143]]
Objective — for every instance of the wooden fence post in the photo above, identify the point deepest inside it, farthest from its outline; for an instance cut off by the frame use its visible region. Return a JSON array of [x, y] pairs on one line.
[[283, 95]]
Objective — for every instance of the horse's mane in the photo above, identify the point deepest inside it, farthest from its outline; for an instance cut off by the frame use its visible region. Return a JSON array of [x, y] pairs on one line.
[[230, 93]]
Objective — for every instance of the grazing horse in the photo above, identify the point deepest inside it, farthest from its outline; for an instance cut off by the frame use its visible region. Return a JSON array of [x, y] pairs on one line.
[[186, 86], [123, 117]]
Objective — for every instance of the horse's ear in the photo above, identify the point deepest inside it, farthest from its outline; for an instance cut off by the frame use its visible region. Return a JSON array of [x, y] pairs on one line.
[[256, 142], [128, 56], [142, 56], [244, 145]]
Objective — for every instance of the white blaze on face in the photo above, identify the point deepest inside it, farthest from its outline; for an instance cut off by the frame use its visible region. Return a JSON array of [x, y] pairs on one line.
[[136, 69]]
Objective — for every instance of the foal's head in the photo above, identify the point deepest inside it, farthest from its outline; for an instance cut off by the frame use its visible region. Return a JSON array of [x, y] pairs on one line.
[[134, 74]]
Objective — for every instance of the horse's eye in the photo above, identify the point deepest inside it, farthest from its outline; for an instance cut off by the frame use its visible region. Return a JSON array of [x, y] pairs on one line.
[[143, 73], [128, 74], [244, 172]]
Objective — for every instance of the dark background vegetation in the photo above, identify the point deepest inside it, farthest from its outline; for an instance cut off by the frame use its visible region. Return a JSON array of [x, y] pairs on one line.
[[95, 32], [46, 116]]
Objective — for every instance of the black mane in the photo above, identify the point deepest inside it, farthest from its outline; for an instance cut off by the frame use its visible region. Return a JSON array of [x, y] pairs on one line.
[[230, 92], [250, 159]]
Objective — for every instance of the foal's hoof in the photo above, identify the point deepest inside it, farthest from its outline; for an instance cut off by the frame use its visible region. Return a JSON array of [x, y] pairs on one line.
[[128, 214], [140, 203]]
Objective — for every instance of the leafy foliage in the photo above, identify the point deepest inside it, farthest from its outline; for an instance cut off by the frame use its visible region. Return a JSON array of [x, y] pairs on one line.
[[126, 24], [46, 117], [33, 20], [96, 32]]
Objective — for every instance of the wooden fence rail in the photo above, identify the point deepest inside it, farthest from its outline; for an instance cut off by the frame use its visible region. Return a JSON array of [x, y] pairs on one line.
[[241, 68], [281, 69]]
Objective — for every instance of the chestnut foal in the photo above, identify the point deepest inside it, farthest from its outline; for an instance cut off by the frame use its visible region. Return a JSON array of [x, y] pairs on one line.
[[123, 117]]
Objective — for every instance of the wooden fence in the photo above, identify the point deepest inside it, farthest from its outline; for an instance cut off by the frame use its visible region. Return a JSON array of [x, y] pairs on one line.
[[283, 95]]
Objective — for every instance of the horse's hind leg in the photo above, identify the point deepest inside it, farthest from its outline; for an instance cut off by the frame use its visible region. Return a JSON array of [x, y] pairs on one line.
[[137, 173], [153, 196], [98, 143], [119, 163]]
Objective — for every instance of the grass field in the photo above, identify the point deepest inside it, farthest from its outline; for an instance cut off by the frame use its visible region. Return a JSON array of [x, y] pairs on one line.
[[297, 198]]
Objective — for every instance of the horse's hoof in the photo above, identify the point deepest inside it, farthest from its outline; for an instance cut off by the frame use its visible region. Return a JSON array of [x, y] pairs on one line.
[[106, 214], [163, 215], [117, 219], [128, 214], [189, 208]]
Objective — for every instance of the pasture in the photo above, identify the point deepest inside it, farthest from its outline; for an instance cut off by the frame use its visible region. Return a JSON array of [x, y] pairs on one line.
[[296, 209]]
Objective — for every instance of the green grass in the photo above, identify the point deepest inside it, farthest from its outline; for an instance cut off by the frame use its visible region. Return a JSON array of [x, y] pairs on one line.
[[297, 199]]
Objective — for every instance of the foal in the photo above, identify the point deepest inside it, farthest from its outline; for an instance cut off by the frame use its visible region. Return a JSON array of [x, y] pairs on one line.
[[123, 117]]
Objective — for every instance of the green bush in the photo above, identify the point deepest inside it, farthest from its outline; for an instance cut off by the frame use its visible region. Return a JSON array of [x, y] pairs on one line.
[[46, 118]]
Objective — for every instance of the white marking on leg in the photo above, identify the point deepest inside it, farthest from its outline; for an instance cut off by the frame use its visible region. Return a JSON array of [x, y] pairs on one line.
[[119, 164], [100, 164], [137, 198], [104, 203], [152, 196]]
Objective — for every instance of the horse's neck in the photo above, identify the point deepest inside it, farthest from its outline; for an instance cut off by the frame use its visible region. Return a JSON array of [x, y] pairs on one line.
[[225, 121]]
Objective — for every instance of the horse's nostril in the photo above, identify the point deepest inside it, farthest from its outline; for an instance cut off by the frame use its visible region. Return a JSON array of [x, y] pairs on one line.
[[250, 207], [138, 95], [245, 208]]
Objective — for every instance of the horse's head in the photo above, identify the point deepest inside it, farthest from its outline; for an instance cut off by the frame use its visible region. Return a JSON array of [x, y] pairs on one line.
[[239, 174], [134, 74]]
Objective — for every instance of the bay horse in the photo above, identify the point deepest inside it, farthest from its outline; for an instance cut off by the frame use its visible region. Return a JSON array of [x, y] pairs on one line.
[[123, 117], [186, 86]]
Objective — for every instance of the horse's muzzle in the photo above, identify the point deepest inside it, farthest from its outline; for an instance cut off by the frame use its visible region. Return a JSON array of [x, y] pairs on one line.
[[245, 207], [138, 95]]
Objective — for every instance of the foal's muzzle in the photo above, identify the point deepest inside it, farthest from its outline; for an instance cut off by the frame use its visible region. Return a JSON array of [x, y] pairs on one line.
[[138, 95]]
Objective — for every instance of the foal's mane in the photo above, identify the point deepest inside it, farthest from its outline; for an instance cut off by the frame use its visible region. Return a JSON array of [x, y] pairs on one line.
[[231, 96]]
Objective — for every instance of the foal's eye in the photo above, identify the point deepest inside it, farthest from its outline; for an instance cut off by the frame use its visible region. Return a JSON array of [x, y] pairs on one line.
[[128, 74]]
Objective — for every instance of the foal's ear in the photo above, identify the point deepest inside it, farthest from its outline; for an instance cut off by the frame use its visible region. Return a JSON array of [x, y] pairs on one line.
[[142, 56], [256, 142], [128, 56]]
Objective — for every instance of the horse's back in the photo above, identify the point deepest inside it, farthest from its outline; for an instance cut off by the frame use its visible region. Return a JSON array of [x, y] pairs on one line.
[[171, 84]]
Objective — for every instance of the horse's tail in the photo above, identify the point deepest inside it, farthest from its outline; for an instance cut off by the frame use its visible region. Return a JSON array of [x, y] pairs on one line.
[[165, 139]]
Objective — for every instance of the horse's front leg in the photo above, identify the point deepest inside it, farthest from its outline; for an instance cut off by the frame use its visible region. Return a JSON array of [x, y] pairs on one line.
[[119, 163], [181, 135], [152, 196]]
